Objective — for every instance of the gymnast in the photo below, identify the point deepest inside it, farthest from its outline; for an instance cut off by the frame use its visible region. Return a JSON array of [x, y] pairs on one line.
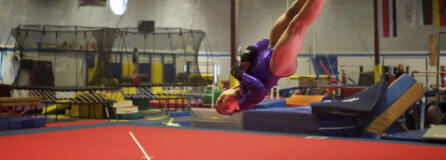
[[265, 62]]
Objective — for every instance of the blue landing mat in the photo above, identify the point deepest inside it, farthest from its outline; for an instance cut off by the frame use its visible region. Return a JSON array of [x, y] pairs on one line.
[[291, 120], [414, 136]]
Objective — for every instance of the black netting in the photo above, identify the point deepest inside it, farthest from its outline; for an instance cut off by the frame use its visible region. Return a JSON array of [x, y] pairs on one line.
[[69, 56]]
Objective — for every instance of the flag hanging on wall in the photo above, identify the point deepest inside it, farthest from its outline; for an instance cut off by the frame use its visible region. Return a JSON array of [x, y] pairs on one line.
[[434, 12], [411, 12], [387, 17]]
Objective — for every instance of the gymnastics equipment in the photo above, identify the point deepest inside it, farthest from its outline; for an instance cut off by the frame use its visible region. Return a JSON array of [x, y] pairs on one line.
[[292, 120], [414, 136], [330, 62], [179, 114], [361, 103], [125, 107], [209, 118], [56, 62], [11, 123], [269, 103], [304, 100], [95, 56], [130, 116], [10, 102], [436, 133], [400, 95]]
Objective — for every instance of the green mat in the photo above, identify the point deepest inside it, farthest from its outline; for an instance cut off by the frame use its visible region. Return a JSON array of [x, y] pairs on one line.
[[207, 99], [142, 104], [130, 116]]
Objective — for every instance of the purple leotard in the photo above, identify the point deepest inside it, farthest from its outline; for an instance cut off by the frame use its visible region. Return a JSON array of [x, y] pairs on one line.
[[258, 80]]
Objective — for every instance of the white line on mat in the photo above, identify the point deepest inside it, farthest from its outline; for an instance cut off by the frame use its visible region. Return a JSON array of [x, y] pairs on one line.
[[140, 147]]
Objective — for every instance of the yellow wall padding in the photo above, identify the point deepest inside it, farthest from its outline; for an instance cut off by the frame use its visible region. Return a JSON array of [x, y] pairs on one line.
[[378, 73], [127, 69], [436, 12], [433, 49], [208, 76], [92, 72], [116, 96], [303, 100], [383, 121], [157, 73], [167, 93], [129, 90], [86, 111]]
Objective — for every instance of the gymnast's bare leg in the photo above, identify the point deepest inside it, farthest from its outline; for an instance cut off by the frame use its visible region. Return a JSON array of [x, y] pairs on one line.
[[288, 46]]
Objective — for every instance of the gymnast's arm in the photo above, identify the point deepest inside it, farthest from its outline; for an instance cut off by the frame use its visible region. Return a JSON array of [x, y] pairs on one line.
[[252, 90]]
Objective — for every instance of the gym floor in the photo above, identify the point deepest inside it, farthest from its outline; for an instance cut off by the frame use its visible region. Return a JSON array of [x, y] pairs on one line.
[[141, 139]]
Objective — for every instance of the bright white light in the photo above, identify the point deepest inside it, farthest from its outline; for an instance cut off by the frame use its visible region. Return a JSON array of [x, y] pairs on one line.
[[118, 6]]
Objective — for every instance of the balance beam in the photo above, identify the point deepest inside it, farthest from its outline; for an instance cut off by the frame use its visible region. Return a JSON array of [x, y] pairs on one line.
[[19, 101], [6, 102]]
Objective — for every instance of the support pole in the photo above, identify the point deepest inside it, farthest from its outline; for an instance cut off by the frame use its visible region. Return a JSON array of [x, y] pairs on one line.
[[234, 37], [378, 67]]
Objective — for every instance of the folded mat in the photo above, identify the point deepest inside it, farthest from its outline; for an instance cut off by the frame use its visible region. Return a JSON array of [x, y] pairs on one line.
[[361, 103], [400, 95]]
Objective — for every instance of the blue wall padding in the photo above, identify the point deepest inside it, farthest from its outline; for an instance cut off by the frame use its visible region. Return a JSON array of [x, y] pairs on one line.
[[145, 68], [11, 123], [90, 60], [39, 122], [394, 92], [292, 120], [179, 114], [27, 122], [337, 125], [116, 70], [169, 73], [14, 123], [268, 103], [3, 123], [330, 61]]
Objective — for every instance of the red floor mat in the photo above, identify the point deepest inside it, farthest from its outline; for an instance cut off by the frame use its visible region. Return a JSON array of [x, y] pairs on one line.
[[165, 144]]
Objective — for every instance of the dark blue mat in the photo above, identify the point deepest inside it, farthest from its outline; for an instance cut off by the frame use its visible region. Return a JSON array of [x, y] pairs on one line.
[[414, 136], [291, 120], [268, 103]]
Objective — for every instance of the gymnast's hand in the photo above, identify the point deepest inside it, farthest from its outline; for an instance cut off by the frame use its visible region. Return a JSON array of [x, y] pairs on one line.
[[227, 102]]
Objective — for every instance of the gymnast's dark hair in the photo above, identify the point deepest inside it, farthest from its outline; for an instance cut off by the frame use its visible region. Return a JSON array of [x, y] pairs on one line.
[[249, 54]]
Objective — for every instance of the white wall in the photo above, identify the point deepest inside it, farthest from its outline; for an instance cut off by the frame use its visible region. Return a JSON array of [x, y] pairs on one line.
[[345, 26]]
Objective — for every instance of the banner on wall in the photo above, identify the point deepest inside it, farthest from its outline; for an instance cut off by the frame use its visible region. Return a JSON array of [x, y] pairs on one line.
[[434, 12], [100, 3], [412, 12], [388, 18]]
